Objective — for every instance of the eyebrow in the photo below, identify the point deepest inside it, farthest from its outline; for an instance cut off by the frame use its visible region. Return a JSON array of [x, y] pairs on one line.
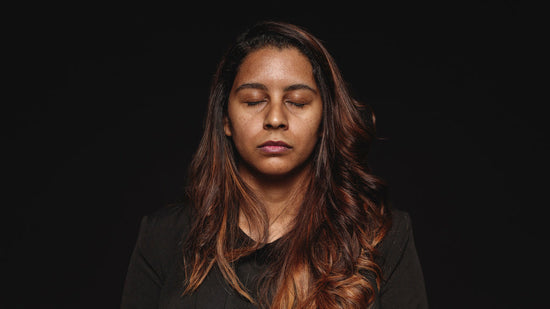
[[251, 86], [263, 87], [300, 86]]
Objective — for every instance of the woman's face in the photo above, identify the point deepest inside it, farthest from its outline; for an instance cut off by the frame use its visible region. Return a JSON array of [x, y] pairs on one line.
[[274, 111]]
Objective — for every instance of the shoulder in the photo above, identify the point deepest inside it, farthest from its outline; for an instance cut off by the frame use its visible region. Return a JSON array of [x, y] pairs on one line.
[[396, 241], [170, 217], [155, 255], [401, 225], [162, 231], [402, 277]]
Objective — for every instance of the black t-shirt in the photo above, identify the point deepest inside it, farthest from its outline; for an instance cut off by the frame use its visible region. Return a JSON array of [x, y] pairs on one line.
[[155, 275]]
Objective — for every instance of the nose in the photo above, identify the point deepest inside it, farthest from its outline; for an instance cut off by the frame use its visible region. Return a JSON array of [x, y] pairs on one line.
[[275, 117]]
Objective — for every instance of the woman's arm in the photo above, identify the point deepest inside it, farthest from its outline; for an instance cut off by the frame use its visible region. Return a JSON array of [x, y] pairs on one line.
[[143, 280], [403, 284]]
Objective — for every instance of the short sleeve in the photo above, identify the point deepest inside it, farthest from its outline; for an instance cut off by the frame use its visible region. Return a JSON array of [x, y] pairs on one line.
[[157, 249], [143, 280], [403, 281]]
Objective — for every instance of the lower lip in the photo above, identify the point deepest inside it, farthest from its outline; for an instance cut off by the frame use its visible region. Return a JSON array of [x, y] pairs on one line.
[[274, 149]]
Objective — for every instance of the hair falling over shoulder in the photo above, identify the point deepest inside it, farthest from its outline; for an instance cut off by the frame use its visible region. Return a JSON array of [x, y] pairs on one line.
[[344, 215]]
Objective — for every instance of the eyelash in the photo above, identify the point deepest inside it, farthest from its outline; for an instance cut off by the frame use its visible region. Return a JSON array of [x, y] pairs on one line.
[[299, 105], [253, 103]]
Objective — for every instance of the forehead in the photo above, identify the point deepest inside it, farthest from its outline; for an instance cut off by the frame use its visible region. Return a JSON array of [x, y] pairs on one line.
[[272, 64]]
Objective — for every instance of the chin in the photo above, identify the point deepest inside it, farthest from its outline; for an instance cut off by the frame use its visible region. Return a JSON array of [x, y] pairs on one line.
[[280, 170], [274, 167], [275, 172]]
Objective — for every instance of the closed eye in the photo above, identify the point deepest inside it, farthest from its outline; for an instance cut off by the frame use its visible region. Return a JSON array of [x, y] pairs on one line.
[[300, 105], [252, 103]]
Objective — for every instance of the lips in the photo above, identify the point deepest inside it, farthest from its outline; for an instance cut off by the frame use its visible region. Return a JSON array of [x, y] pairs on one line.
[[274, 147]]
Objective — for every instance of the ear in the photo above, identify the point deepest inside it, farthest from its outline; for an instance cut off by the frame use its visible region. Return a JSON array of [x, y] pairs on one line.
[[226, 126]]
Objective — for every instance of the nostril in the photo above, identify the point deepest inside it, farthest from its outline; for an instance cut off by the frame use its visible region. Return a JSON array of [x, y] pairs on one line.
[[279, 126]]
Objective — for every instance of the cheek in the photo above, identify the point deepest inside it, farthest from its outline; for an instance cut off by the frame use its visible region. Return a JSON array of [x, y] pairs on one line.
[[243, 132], [235, 120], [240, 125], [313, 128]]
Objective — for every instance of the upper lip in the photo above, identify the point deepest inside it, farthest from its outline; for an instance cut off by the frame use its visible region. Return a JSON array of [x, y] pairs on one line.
[[275, 143]]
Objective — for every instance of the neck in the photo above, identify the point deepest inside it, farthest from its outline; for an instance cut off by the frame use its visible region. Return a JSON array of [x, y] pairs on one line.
[[281, 197]]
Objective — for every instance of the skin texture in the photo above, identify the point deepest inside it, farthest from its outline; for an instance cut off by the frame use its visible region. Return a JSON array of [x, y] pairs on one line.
[[275, 98]]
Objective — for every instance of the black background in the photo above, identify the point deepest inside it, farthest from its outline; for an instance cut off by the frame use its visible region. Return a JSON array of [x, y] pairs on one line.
[[111, 107]]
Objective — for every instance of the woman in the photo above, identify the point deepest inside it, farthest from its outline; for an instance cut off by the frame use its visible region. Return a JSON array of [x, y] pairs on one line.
[[282, 211]]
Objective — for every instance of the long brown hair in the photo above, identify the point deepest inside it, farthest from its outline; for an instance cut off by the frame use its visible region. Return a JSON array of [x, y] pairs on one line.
[[330, 254]]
